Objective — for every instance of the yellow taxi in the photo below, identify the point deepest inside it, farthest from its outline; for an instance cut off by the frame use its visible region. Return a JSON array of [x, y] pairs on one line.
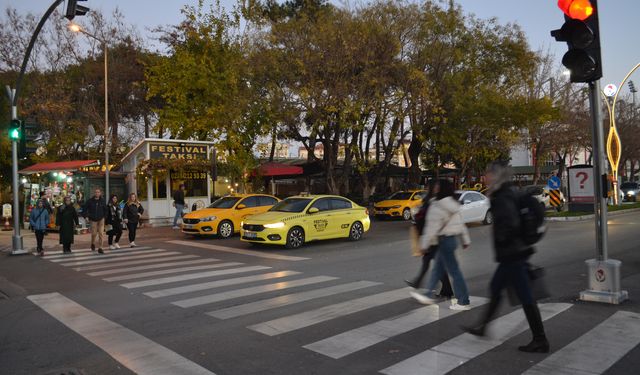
[[399, 204], [223, 217], [304, 218]]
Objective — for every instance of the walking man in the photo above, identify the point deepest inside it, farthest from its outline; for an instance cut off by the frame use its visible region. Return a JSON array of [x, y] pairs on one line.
[[96, 211], [178, 203], [511, 253]]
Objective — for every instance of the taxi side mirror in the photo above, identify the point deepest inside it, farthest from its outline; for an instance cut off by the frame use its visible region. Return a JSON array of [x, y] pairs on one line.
[[313, 210], [241, 207]]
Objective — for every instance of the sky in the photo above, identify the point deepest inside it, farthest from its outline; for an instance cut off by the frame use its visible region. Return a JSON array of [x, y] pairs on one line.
[[620, 40]]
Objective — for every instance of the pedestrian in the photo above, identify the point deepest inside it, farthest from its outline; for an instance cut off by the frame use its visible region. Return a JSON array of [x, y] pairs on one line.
[[67, 220], [512, 254], [178, 203], [113, 222], [132, 212], [427, 254], [96, 211], [45, 201], [39, 220], [443, 227]]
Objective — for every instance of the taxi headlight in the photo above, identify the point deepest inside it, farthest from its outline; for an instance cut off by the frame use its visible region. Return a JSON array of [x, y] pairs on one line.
[[208, 218], [631, 192], [274, 225]]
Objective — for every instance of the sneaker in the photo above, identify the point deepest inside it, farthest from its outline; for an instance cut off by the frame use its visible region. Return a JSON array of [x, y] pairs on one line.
[[93, 247], [100, 251], [176, 227], [411, 284], [116, 245], [459, 307], [111, 247], [425, 300], [133, 244]]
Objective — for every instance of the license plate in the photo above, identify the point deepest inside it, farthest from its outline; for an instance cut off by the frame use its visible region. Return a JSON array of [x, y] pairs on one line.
[[251, 234], [187, 226]]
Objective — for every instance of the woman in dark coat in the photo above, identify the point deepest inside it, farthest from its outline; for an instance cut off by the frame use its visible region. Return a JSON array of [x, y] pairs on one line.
[[132, 212], [114, 218], [67, 220]]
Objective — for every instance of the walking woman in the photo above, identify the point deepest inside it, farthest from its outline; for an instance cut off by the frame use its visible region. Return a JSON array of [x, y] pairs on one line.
[[39, 219], [430, 253], [132, 212], [114, 220], [67, 220], [512, 255], [443, 227]]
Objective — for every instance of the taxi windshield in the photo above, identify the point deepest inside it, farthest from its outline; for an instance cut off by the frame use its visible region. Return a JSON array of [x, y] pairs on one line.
[[401, 196], [291, 205], [226, 202]]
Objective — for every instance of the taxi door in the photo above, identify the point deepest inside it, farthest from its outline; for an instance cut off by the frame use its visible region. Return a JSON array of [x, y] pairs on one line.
[[250, 208], [321, 224], [343, 215]]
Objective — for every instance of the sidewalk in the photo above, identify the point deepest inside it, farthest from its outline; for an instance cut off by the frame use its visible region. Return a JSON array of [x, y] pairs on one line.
[[51, 241]]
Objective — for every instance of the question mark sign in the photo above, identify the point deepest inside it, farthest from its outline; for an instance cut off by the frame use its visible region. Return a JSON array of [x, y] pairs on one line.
[[584, 178]]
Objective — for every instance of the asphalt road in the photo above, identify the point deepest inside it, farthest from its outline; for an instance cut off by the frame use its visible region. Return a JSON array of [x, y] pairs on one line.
[[179, 305]]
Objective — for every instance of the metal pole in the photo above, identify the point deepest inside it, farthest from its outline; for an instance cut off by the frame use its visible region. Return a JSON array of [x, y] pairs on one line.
[[598, 166], [106, 122], [17, 248]]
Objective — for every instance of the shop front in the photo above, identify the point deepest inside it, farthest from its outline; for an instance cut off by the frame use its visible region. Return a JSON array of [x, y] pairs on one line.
[[155, 169]]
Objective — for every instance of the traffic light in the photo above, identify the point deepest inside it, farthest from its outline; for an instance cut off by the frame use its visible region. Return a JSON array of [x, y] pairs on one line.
[[15, 130], [73, 9], [582, 34]]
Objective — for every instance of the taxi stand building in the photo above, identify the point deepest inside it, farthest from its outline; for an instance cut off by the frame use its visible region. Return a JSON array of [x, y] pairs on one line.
[[155, 192]]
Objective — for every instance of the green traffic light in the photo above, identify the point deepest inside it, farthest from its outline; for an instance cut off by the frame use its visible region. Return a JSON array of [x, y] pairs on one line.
[[14, 134]]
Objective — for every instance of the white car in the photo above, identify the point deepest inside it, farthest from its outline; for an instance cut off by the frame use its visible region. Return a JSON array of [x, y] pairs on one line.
[[476, 207]]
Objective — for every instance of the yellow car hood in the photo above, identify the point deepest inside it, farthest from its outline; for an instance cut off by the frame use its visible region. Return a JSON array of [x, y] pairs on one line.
[[206, 212], [390, 203]]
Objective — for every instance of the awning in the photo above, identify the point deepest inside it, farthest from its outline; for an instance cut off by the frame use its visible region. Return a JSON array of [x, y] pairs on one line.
[[61, 166], [277, 169]]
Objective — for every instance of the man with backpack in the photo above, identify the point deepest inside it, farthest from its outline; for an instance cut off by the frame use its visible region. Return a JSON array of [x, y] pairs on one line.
[[517, 226]]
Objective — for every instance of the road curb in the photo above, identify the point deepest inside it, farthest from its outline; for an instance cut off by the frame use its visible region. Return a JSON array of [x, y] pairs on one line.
[[591, 216]]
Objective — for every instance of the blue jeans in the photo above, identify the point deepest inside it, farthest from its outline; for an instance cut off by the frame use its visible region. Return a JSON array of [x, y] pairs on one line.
[[179, 209], [446, 260]]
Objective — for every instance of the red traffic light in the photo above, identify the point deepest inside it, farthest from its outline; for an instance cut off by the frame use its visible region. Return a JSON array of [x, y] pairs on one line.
[[576, 9]]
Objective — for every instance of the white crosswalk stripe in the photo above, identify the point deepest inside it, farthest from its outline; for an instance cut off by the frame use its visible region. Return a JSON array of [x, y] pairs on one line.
[[211, 298], [129, 262], [152, 266], [306, 319], [455, 352], [171, 270], [360, 338], [253, 253], [97, 260], [76, 254], [289, 299], [595, 351], [192, 276], [217, 284], [105, 256]]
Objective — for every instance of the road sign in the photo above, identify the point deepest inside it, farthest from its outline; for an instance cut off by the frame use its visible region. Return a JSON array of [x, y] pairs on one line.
[[6, 210], [581, 188], [610, 90], [554, 182], [554, 198]]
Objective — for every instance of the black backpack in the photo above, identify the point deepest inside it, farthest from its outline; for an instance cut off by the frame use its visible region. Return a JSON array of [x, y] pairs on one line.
[[532, 211]]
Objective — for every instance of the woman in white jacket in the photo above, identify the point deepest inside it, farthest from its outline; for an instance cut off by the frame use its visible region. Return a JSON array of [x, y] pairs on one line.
[[443, 227]]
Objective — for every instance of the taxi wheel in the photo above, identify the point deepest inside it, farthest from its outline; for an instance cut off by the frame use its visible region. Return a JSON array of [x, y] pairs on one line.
[[225, 229], [295, 238], [406, 214], [356, 231]]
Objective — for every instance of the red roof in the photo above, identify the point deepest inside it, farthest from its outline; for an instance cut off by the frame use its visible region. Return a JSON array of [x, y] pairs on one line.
[[277, 169], [59, 166]]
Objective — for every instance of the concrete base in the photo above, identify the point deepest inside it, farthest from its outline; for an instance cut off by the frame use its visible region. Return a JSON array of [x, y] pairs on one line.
[[604, 297], [17, 246], [604, 282]]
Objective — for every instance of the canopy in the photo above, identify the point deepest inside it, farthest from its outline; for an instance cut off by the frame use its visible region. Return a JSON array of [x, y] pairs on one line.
[[61, 166], [277, 169]]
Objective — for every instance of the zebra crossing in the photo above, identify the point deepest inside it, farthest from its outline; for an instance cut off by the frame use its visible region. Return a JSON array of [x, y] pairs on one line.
[[226, 290]]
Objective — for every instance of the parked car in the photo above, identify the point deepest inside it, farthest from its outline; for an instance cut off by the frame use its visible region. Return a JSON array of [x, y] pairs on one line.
[[541, 193], [300, 219], [476, 207], [629, 191], [223, 217], [399, 204]]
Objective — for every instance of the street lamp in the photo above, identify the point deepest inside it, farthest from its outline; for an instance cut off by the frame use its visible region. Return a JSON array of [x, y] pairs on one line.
[[77, 29]]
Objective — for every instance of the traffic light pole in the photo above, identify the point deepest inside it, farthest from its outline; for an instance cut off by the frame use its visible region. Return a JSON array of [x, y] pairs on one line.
[[604, 273], [17, 245]]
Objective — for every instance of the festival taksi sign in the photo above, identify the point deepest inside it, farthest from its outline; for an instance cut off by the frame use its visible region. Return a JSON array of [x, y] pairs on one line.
[[177, 151]]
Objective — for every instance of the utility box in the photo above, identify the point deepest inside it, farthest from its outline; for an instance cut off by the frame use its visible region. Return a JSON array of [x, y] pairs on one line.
[[604, 282]]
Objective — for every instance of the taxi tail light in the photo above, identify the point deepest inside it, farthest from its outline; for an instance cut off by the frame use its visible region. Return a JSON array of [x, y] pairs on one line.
[[366, 211]]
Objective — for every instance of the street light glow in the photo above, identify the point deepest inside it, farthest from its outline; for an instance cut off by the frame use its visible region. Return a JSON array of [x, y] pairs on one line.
[[74, 27]]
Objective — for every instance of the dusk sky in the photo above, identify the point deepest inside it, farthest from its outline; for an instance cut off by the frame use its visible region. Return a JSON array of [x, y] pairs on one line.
[[620, 41]]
